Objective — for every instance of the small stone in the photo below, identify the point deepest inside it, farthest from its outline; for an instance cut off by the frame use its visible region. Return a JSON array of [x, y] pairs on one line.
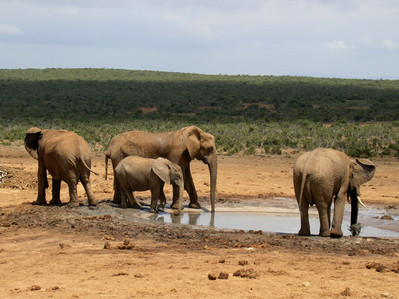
[[306, 284], [212, 276], [223, 275], [221, 261], [138, 275], [387, 295], [35, 288], [346, 292], [107, 245], [243, 263]]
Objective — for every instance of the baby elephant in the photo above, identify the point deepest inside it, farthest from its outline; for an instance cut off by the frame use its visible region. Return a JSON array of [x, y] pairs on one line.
[[135, 173]]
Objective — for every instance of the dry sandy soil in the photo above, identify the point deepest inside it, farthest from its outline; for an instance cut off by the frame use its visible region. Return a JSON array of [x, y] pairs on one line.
[[51, 251]]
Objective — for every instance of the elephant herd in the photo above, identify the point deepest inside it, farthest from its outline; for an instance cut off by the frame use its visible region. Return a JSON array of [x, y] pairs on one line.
[[146, 161]]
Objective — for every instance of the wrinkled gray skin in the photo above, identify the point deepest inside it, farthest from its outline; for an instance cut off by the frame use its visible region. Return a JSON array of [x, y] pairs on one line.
[[135, 173], [324, 175], [179, 147], [66, 156]]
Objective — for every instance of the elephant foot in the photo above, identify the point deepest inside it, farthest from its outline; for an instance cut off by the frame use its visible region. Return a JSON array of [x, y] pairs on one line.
[[55, 202], [325, 233], [336, 233], [194, 205], [74, 204], [39, 203], [175, 206], [92, 202], [116, 201], [304, 232]]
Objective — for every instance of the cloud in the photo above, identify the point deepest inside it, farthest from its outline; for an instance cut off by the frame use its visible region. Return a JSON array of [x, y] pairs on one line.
[[338, 44], [389, 45], [9, 29]]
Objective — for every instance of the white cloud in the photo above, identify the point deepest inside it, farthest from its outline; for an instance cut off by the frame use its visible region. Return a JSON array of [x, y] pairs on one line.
[[389, 45], [338, 44], [9, 29]]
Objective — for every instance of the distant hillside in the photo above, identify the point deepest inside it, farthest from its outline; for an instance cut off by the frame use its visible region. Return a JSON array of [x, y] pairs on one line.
[[108, 94]]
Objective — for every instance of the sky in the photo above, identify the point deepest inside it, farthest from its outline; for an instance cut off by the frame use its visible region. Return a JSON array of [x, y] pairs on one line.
[[319, 38]]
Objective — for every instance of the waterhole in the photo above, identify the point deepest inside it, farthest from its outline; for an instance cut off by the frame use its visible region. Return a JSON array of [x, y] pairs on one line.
[[277, 215]]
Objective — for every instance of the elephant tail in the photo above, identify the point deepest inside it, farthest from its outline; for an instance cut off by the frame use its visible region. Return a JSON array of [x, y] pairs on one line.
[[107, 156], [303, 181], [87, 167]]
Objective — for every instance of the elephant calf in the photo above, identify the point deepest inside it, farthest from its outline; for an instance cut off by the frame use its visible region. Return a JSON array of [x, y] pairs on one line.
[[135, 173], [66, 156], [326, 174]]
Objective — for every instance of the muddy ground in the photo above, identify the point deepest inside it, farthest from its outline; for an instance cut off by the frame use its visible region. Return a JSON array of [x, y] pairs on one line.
[[60, 252]]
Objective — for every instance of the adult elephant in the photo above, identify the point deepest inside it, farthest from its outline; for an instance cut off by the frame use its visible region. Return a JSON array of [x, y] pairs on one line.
[[179, 147], [324, 175], [66, 156]]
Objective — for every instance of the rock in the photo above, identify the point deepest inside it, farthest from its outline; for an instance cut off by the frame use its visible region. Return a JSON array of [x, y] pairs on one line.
[[35, 288], [346, 292], [107, 245], [243, 263], [221, 261], [306, 284], [212, 276], [386, 295], [386, 217], [246, 273], [138, 275], [223, 275]]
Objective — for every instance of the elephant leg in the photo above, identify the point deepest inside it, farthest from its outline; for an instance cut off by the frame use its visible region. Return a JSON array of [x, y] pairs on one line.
[[42, 184], [123, 201], [117, 191], [56, 193], [162, 200], [155, 192], [339, 207], [73, 194], [85, 180], [132, 200], [304, 211], [190, 188], [324, 220]]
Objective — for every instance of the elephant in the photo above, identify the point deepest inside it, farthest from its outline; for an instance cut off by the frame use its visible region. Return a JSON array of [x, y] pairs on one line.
[[67, 157], [136, 173], [179, 147], [323, 175]]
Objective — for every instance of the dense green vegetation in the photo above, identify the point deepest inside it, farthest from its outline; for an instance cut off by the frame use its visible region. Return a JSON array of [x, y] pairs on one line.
[[245, 113]]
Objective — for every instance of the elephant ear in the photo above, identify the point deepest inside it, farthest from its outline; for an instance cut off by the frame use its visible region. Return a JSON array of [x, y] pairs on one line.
[[192, 137], [161, 169], [363, 171], [32, 138]]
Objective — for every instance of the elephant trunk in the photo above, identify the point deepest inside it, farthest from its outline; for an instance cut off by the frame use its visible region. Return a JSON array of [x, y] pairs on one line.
[[354, 207], [355, 227], [180, 199], [213, 168], [32, 152]]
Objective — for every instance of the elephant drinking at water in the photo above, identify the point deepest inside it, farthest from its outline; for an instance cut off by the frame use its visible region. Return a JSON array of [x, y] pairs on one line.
[[324, 175], [179, 147], [66, 156], [135, 173]]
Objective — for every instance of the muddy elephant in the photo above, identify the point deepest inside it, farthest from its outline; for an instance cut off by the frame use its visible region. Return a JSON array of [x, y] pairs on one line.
[[136, 173], [179, 147], [66, 156], [325, 175]]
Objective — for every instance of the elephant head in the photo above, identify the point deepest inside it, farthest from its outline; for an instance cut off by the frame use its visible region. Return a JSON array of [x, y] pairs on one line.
[[201, 146], [361, 171], [32, 138], [170, 173]]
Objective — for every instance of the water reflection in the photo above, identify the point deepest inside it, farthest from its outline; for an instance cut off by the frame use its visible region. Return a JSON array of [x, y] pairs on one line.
[[268, 222]]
